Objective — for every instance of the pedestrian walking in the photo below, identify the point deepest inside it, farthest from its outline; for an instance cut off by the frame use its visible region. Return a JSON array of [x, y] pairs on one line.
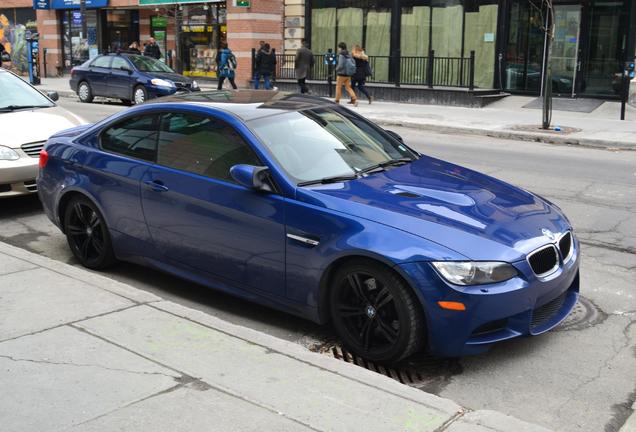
[[265, 66], [133, 48], [302, 65], [226, 66], [363, 70], [345, 69], [152, 49]]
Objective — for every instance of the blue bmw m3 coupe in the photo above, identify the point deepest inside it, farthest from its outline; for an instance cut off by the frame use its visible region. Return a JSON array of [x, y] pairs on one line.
[[300, 204]]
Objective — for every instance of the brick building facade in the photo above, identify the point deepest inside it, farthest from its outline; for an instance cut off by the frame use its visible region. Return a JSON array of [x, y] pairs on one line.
[[191, 47]]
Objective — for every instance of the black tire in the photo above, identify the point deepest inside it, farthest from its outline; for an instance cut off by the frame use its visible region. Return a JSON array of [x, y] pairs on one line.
[[84, 92], [137, 91], [379, 319], [87, 234]]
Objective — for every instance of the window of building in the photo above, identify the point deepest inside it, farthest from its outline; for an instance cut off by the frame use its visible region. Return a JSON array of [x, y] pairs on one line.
[[135, 137], [202, 145], [78, 47]]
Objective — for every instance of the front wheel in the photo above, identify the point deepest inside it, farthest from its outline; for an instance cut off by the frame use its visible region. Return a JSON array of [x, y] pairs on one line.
[[84, 92], [87, 234], [375, 313], [140, 95]]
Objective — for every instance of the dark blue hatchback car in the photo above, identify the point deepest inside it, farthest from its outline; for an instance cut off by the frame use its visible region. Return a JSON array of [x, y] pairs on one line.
[[130, 77], [300, 204]]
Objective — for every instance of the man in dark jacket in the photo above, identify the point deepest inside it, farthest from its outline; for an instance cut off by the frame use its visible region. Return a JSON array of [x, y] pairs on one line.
[[152, 49], [343, 74], [265, 66], [303, 64]]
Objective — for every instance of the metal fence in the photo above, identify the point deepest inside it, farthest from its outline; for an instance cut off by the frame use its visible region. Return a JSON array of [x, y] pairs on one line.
[[430, 71]]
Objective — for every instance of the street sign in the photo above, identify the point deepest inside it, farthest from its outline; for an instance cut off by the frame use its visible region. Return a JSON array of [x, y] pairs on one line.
[[243, 3], [41, 4]]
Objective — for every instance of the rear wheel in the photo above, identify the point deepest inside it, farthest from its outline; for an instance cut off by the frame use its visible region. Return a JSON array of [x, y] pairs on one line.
[[87, 234], [140, 95], [84, 92], [375, 314]]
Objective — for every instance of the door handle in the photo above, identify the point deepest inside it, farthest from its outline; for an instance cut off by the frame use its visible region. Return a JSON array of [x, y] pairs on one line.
[[156, 185]]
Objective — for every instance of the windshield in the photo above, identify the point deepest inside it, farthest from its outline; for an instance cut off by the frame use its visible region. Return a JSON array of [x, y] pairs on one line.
[[16, 93], [148, 64], [321, 143]]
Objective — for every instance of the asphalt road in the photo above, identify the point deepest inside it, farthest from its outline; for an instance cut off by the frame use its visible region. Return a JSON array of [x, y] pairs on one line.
[[579, 377]]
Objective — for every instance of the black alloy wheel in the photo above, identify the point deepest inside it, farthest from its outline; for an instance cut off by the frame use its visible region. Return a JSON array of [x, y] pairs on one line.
[[87, 234], [375, 314]]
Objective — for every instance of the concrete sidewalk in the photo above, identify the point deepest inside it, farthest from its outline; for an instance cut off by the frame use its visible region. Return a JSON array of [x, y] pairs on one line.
[[506, 118], [79, 351]]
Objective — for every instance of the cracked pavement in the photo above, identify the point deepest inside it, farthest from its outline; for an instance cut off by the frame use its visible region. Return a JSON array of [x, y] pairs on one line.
[[579, 378]]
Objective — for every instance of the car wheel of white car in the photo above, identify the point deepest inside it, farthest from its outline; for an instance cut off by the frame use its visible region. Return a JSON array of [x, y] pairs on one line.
[[140, 95], [84, 92]]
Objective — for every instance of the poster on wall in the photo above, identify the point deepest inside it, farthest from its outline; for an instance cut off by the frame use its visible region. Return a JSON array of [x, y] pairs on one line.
[[13, 38]]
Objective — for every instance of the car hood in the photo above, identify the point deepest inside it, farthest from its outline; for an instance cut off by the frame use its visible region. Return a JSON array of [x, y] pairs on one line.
[[474, 214], [33, 125], [174, 77]]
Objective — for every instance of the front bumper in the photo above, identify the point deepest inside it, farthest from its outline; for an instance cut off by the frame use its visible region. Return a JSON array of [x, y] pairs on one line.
[[524, 305], [18, 177]]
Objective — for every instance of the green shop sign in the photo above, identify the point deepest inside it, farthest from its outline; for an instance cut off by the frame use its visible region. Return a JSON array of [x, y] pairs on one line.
[[159, 21]]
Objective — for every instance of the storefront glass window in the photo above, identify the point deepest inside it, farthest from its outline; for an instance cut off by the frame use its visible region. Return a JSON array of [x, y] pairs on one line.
[[202, 31], [323, 24], [480, 34], [78, 47], [122, 29], [606, 43]]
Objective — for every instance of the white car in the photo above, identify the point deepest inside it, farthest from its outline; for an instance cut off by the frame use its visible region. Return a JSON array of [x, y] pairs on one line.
[[27, 119]]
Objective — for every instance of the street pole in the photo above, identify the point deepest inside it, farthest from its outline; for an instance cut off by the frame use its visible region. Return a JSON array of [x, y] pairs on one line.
[[84, 37]]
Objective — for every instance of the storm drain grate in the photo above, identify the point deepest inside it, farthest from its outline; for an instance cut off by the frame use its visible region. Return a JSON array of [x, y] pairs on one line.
[[403, 375], [421, 371]]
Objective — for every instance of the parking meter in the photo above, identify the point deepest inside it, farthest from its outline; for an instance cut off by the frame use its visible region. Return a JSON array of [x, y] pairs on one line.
[[330, 60], [33, 58], [628, 75]]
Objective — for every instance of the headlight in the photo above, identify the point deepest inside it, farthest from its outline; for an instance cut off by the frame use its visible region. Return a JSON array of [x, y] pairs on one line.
[[474, 272], [8, 154], [195, 84], [161, 82]]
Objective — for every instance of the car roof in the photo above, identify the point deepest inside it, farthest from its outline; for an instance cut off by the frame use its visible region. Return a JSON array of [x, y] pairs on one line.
[[248, 104]]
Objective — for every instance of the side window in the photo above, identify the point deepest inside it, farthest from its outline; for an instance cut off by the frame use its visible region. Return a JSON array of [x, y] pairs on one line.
[[120, 63], [136, 137], [103, 61], [202, 145]]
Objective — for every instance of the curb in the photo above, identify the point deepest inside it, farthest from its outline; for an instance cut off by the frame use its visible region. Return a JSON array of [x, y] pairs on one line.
[[459, 418], [503, 134], [509, 134]]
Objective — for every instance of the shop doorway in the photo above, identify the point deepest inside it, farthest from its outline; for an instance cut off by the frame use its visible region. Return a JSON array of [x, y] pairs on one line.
[[121, 28], [565, 50]]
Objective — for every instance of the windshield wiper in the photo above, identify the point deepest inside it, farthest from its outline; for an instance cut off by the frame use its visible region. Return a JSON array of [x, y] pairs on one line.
[[332, 179], [390, 162], [17, 107]]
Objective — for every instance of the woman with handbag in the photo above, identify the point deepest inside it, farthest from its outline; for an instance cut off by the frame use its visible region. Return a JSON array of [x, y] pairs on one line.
[[363, 70]]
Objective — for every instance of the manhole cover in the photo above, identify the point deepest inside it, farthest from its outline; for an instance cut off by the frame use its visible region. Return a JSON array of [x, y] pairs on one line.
[[585, 314]]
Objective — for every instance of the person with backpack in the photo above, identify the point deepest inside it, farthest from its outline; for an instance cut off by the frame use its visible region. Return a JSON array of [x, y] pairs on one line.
[[265, 66], [226, 66], [345, 69], [363, 70]]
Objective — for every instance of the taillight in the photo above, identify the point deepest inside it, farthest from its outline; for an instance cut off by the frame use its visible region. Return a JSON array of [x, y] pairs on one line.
[[72, 71], [44, 158]]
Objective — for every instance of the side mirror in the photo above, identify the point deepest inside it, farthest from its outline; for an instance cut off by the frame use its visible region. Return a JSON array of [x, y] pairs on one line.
[[394, 135], [250, 176], [53, 95]]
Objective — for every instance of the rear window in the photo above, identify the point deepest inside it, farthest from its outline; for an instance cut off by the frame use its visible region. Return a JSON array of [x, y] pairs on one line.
[[103, 61]]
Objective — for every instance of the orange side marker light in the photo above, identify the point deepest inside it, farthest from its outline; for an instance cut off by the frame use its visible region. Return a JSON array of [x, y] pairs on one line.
[[451, 305]]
